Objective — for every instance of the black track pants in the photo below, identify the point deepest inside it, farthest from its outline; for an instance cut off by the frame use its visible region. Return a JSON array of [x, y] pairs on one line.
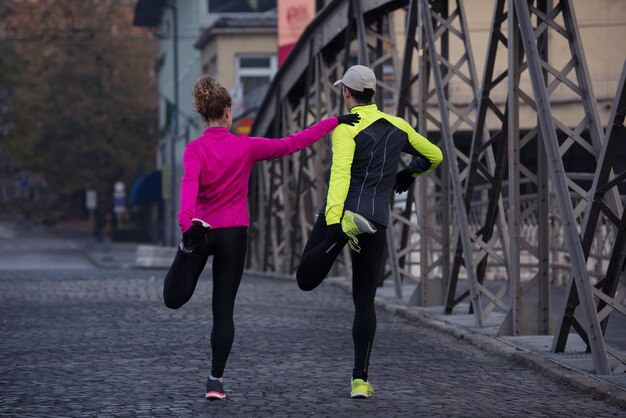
[[228, 248], [317, 259]]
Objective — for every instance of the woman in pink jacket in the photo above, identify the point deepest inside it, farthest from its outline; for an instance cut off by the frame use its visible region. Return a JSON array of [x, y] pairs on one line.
[[213, 213]]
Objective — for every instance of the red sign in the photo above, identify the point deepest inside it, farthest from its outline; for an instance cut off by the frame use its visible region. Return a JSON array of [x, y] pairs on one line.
[[293, 17], [244, 126]]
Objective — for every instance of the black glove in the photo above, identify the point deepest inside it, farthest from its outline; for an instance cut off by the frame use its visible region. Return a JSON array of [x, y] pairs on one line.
[[194, 235], [335, 233], [404, 179], [349, 119]]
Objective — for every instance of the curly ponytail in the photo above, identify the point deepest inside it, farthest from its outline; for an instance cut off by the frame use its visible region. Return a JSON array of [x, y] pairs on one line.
[[210, 99]]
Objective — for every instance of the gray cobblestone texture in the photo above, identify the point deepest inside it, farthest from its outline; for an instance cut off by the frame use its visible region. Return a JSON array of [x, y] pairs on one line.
[[101, 343]]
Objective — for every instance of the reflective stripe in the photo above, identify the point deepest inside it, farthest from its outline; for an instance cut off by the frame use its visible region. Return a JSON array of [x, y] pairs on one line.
[[382, 172], [358, 202]]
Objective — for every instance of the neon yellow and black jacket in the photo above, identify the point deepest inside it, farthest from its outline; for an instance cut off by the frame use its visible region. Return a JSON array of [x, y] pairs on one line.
[[365, 161]]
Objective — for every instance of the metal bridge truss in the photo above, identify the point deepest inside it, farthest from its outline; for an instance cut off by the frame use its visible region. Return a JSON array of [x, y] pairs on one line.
[[601, 202], [477, 164], [420, 232], [555, 139], [486, 169], [487, 213]]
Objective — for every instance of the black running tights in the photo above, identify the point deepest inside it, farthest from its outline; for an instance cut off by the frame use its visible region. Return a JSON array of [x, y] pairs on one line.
[[317, 259], [228, 248]]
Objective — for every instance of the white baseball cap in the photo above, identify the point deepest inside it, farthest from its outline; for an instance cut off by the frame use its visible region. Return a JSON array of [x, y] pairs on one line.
[[359, 78]]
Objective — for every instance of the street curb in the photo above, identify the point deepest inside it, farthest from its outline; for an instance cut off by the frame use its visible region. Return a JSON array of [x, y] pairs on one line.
[[584, 383], [114, 257], [107, 261], [265, 275], [97, 261]]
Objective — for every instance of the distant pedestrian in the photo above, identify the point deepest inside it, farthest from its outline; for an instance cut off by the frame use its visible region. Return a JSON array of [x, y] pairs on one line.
[[213, 213], [362, 173]]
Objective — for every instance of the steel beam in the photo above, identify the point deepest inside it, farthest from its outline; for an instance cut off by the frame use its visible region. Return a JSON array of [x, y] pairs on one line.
[[528, 222], [603, 183], [560, 181], [485, 169], [447, 130]]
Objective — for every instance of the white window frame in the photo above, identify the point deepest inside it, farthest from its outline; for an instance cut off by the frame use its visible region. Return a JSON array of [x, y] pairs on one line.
[[205, 9], [255, 72]]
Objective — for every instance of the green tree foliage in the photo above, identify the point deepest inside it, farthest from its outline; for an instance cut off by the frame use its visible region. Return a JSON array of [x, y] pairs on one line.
[[81, 93]]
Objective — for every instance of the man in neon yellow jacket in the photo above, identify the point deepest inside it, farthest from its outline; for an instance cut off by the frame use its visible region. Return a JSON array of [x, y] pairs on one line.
[[362, 178]]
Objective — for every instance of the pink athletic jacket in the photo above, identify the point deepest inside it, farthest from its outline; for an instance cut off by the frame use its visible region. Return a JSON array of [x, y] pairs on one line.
[[217, 168]]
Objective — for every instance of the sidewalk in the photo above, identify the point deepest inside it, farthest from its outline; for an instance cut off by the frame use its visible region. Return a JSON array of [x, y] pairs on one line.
[[111, 255]]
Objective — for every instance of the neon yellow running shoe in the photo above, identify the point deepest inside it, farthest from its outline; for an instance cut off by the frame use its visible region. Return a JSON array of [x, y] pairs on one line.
[[354, 224], [361, 389]]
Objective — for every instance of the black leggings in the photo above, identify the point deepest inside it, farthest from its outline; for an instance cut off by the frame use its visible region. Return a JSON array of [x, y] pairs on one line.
[[228, 248], [317, 259]]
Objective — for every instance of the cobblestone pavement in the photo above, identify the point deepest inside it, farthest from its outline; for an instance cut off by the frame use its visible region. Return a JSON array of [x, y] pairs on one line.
[[101, 343]]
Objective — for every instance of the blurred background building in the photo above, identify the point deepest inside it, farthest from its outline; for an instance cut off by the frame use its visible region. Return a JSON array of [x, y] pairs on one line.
[[241, 53]]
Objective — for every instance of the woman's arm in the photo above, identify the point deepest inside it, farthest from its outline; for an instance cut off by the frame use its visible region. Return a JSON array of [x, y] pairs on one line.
[[188, 188], [268, 149]]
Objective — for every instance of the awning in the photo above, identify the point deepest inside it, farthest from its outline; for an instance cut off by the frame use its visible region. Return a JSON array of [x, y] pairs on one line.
[[147, 189]]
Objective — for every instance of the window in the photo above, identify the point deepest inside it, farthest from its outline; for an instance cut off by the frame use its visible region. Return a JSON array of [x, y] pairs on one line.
[[240, 6], [254, 71], [210, 66]]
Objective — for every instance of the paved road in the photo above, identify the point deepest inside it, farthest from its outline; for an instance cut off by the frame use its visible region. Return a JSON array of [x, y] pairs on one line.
[[100, 342]]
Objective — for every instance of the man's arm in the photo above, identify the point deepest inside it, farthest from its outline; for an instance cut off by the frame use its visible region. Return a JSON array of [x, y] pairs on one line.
[[428, 155], [343, 147]]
